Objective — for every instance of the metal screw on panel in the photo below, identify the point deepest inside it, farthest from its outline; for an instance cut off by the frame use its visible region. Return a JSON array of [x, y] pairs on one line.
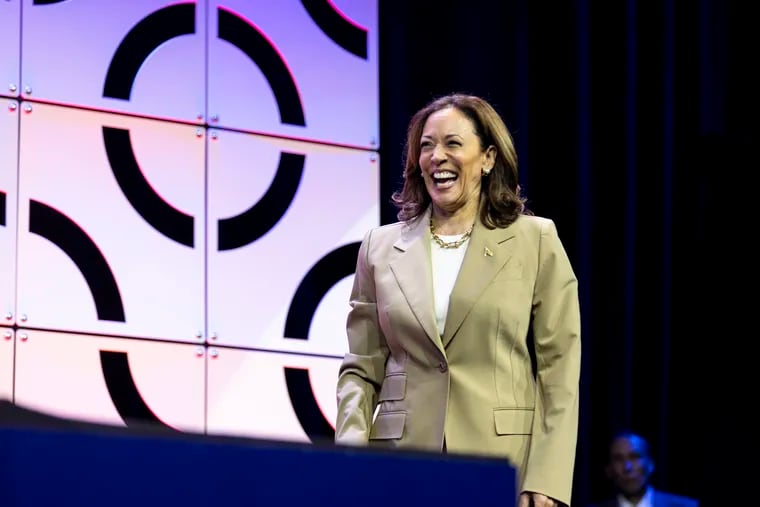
[[214, 135], [8, 316], [199, 351], [12, 87], [213, 336], [23, 337], [198, 335], [8, 335], [199, 116], [198, 132], [373, 158], [23, 317], [12, 106], [28, 90], [213, 353], [214, 118], [27, 108], [372, 141]]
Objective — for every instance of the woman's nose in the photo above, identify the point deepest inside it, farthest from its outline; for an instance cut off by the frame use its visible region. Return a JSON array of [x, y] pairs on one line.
[[438, 154]]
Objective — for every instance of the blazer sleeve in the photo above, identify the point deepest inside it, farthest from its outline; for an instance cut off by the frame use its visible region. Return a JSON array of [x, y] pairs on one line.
[[556, 334], [363, 368]]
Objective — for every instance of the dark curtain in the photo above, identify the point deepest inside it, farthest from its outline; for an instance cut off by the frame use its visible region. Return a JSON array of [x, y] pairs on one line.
[[635, 125]]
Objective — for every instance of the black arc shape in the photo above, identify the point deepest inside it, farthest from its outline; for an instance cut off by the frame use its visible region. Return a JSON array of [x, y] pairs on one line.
[[328, 271], [47, 2], [255, 45], [69, 237], [306, 407], [141, 41], [166, 219], [350, 37], [2, 208], [257, 220], [123, 391]]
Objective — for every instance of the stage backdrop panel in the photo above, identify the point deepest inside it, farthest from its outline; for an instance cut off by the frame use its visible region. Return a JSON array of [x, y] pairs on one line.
[[271, 395], [9, 117], [111, 225], [295, 72], [144, 57], [184, 186], [285, 222], [6, 362], [10, 39], [111, 380]]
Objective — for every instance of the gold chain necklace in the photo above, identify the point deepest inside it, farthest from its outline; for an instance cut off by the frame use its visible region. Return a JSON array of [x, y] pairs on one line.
[[449, 244]]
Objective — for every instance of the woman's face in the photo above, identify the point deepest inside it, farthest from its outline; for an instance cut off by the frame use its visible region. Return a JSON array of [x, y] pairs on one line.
[[452, 160]]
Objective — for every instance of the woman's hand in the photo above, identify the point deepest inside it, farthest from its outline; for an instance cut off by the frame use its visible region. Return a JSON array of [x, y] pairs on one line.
[[539, 500]]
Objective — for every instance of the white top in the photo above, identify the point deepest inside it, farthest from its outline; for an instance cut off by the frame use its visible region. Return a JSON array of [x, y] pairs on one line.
[[445, 263], [646, 501]]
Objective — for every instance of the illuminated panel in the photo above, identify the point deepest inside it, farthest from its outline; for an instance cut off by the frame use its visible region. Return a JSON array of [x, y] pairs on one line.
[[8, 171], [285, 222], [10, 37], [270, 395], [111, 380], [111, 225], [6, 363], [145, 57], [295, 72]]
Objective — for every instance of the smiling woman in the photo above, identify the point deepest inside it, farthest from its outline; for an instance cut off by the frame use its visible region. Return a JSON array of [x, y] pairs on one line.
[[462, 280], [453, 162]]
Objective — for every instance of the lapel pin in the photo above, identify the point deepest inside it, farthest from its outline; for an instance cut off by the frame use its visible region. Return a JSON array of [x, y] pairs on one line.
[[487, 252]]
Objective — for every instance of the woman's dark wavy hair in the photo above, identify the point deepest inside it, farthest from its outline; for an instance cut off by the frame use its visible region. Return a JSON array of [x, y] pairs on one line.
[[501, 200]]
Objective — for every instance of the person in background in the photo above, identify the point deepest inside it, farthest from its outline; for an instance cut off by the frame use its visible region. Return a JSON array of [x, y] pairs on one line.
[[629, 468], [450, 303]]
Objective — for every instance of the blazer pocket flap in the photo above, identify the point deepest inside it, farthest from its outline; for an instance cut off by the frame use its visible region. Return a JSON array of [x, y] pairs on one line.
[[388, 425], [394, 387], [513, 421]]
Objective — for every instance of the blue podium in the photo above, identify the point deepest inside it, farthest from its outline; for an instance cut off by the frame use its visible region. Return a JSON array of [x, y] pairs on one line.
[[54, 462]]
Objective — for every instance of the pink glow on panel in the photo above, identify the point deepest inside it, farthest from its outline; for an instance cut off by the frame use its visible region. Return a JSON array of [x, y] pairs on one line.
[[63, 374], [9, 120], [268, 39], [176, 296], [337, 91], [10, 34], [346, 18], [248, 394], [160, 280], [72, 70], [6, 363]]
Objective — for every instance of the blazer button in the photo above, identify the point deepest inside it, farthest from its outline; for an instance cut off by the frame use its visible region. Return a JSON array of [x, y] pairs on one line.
[[443, 367]]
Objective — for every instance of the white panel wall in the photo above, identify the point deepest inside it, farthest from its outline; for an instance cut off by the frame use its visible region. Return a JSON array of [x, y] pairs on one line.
[[72, 48], [251, 288], [185, 185], [6, 362], [335, 90], [160, 281], [84, 377], [10, 40], [250, 393], [9, 119]]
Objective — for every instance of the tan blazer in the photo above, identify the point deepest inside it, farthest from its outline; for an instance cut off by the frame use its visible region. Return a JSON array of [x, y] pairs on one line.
[[475, 384]]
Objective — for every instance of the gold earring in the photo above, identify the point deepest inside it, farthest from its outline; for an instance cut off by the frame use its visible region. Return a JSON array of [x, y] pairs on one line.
[[485, 171]]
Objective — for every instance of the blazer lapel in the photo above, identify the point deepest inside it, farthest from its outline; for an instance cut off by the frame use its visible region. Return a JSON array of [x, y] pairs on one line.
[[412, 271], [488, 251]]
